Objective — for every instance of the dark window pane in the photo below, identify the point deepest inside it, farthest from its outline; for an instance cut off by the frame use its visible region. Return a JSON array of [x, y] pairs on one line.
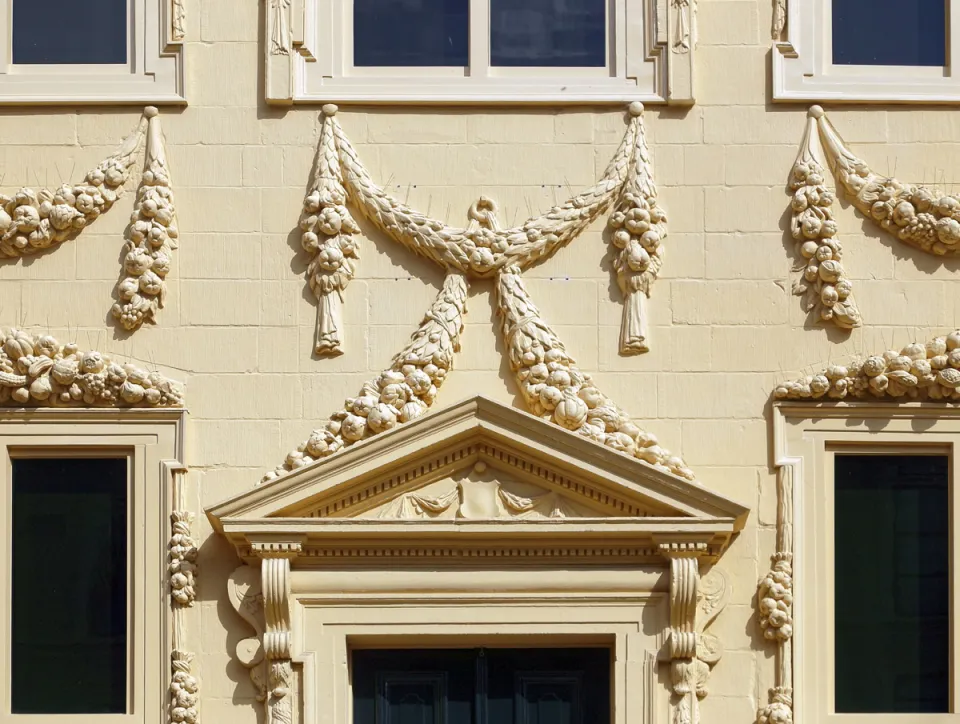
[[410, 32], [892, 605], [889, 32], [69, 630], [549, 33], [55, 32]]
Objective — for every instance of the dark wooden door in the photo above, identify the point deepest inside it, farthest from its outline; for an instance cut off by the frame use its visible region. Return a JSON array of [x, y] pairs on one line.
[[481, 686]]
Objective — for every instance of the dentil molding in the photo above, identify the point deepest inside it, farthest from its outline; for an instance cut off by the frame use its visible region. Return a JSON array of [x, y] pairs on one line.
[[37, 371], [482, 249], [827, 292], [920, 371]]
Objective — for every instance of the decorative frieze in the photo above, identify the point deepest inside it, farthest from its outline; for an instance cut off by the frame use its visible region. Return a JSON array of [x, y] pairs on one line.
[[38, 371], [403, 392], [919, 371], [826, 290], [555, 388], [151, 237]]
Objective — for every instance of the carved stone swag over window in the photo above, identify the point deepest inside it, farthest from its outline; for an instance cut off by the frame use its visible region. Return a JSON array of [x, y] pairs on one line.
[[478, 525]]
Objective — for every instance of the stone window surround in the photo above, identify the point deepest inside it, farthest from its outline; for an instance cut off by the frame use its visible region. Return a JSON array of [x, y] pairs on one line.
[[802, 70], [152, 441], [806, 439], [155, 73], [308, 59]]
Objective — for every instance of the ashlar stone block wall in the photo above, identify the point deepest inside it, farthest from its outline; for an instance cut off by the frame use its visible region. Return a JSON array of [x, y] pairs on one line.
[[238, 324]]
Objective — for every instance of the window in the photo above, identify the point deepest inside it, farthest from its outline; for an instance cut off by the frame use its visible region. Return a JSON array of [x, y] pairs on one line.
[[108, 51], [468, 686], [868, 50], [69, 645], [869, 488], [85, 500], [472, 51]]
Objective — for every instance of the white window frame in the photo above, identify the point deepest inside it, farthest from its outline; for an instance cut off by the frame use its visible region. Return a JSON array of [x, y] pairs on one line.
[[806, 439], [803, 68], [153, 74], [309, 59], [151, 441]]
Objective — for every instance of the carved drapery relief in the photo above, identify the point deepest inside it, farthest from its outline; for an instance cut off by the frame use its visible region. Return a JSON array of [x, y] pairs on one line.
[[919, 371], [245, 591], [827, 292], [779, 18], [925, 218], [31, 221], [151, 237], [695, 603], [478, 500], [280, 36], [403, 391], [40, 372], [775, 606], [178, 21], [328, 230], [685, 37], [480, 251], [555, 389]]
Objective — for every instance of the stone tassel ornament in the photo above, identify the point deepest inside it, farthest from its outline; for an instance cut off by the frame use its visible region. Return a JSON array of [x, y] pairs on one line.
[[637, 228], [151, 237], [555, 389], [924, 218], [826, 290], [403, 392], [31, 221], [328, 230]]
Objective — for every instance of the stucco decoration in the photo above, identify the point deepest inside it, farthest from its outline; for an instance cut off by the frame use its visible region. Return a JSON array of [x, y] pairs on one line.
[[277, 637], [479, 500], [37, 371], [246, 596], [779, 18], [827, 292], [181, 570], [555, 389], [328, 230], [184, 689], [482, 250], [695, 603], [686, 25], [919, 371], [179, 21], [925, 218], [403, 391], [151, 237], [183, 559], [280, 37], [31, 221]]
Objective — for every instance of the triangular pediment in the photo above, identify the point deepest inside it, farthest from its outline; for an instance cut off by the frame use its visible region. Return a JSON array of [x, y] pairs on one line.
[[477, 460]]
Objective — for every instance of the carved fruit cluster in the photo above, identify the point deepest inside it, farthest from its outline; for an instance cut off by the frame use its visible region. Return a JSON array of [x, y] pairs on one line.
[[825, 284], [151, 239], [39, 371], [556, 390], [31, 221], [928, 371], [184, 690], [401, 393], [182, 552], [776, 600], [638, 225], [780, 708]]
